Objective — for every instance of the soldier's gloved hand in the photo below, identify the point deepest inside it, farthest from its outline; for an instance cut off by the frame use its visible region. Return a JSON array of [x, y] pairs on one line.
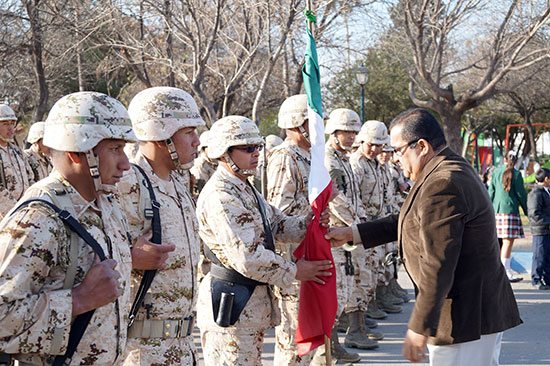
[[100, 286], [147, 255], [312, 270]]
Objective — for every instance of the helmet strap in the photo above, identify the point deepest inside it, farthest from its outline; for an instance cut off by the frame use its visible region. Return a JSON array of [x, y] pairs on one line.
[[304, 133], [93, 165], [6, 140], [175, 158], [337, 141], [236, 169]]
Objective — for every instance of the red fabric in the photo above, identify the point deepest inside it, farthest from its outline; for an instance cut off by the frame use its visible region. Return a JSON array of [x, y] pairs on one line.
[[318, 303]]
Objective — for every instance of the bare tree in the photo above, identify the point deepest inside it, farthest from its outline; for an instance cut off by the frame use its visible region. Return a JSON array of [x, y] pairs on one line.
[[450, 79]]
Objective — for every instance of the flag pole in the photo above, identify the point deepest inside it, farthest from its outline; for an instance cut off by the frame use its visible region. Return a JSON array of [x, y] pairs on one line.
[[328, 357]]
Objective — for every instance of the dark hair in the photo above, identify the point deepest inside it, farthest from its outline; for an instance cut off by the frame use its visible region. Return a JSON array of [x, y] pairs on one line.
[[541, 174], [509, 172], [418, 123]]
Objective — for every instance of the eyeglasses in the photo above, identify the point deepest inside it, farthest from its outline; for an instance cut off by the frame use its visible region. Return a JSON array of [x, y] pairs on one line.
[[249, 149], [399, 151]]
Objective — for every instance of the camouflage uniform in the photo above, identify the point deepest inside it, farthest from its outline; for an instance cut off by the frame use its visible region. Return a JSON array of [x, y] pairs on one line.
[[35, 247], [231, 226], [390, 205], [372, 196], [203, 168], [156, 115], [287, 179], [40, 165], [17, 174]]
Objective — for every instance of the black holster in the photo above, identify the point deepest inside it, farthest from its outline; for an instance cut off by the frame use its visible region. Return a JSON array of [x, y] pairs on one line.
[[5, 359]]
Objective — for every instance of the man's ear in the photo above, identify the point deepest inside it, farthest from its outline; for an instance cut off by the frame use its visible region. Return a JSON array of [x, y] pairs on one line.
[[425, 146], [75, 157]]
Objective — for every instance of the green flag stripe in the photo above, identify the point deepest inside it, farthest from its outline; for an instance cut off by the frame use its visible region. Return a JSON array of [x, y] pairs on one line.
[[312, 77]]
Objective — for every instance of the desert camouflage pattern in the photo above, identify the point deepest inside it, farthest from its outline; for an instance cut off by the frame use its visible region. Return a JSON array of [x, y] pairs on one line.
[[391, 207], [173, 293], [287, 178], [293, 111], [371, 183], [78, 122], [16, 173], [374, 132], [203, 168], [158, 113], [365, 262], [398, 178], [34, 303], [231, 226], [41, 166], [232, 131], [271, 141], [6, 113], [345, 210], [229, 349], [36, 132], [343, 119]]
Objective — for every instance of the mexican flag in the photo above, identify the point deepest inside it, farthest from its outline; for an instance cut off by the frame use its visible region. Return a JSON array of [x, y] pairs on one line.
[[318, 303]]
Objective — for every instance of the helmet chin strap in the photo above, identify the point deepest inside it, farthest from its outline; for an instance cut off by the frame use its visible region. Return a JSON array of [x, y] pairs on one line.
[[174, 156], [93, 164], [304, 133], [236, 169], [5, 139], [339, 144]]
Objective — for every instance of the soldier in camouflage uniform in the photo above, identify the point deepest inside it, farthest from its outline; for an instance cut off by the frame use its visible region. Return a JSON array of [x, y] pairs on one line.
[[164, 120], [346, 210], [287, 176], [203, 167], [372, 137], [44, 283], [15, 172], [230, 210], [38, 154]]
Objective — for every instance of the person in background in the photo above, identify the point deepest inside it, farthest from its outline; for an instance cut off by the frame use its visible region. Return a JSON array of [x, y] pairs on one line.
[[538, 203], [507, 193], [38, 154]]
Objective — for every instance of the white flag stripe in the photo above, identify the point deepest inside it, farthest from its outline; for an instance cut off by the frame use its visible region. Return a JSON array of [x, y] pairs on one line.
[[319, 178]]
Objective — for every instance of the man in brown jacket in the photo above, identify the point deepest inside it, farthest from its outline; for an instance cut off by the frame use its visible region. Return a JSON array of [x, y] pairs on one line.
[[447, 239]]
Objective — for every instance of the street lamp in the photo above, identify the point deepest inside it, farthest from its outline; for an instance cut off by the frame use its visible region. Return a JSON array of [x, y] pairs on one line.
[[362, 75]]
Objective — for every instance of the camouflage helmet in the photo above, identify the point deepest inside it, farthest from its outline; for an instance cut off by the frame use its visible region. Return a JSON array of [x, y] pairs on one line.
[[343, 119], [6, 113], [36, 132], [271, 141], [374, 132], [79, 121], [158, 113], [293, 111], [232, 131], [204, 139]]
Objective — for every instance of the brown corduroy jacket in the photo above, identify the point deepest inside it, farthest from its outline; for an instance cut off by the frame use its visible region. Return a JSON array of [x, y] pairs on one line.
[[447, 239]]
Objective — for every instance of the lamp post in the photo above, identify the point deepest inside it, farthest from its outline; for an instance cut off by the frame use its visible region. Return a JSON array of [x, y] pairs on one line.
[[362, 75]]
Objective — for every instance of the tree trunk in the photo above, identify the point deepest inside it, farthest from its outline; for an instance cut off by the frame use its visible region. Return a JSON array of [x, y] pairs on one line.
[[36, 47], [452, 127], [532, 144]]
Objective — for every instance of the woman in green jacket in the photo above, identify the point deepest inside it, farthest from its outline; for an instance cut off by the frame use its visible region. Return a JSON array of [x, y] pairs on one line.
[[508, 193]]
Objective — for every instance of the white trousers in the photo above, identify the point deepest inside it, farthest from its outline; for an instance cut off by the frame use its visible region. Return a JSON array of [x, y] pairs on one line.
[[482, 352]]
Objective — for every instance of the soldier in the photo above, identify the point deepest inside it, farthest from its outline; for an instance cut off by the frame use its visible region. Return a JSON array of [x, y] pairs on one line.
[[203, 167], [48, 275], [287, 176], [372, 137], [392, 206], [38, 154], [237, 227], [346, 210], [260, 183], [15, 172], [164, 120]]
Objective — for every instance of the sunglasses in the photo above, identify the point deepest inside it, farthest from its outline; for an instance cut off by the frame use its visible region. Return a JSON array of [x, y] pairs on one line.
[[249, 149]]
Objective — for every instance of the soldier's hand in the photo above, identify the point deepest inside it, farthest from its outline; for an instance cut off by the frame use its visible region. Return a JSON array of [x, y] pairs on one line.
[[313, 270], [325, 218], [100, 286], [147, 255], [338, 236]]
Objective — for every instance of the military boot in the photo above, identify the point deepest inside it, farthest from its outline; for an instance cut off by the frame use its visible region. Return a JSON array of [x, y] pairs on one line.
[[356, 337], [398, 291], [374, 312], [343, 323], [370, 323], [385, 301], [396, 300], [339, 352], [320, 359]]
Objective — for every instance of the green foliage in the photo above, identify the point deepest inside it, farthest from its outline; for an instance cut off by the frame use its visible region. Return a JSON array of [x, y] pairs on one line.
[[268, 124], [386, 92]]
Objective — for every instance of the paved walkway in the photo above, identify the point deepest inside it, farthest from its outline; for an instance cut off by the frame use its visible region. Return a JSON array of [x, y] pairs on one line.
[[527, 344]]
